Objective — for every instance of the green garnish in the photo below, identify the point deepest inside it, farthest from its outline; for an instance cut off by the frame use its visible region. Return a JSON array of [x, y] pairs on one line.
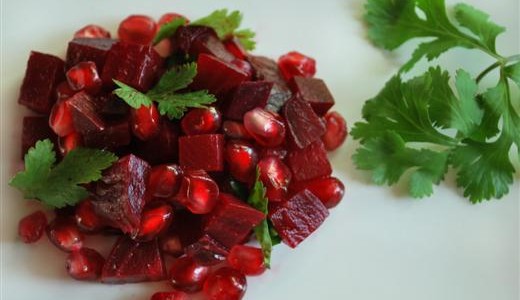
[[167, 30]]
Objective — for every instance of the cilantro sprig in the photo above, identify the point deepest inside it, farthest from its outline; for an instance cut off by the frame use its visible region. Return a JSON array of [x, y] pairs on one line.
[[58, 185], [167, 30], [170, 102], [421, 127]]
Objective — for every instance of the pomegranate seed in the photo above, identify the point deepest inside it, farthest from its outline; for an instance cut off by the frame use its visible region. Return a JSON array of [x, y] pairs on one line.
[[242, 158], [198, 192], [168, 17], [235, 47], [296, 64], [84, 76], [201, 121], [267, 128], [336, 131], [63, 91], [175, 295], [156, 217], [246, 259], [275, 176], [69, 142], [92, 31], [279, 152], [164, 180], [187, 276], [85, 264], [86, 217], [225, 284], [171, 244], [244, 66], [60, 119], [31, 227], [145, 122], [64, 234], [235, 130], [137, 29], [329, 190]]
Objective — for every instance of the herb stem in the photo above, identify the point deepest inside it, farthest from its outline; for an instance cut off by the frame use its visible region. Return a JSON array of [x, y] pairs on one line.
[[501, 63]]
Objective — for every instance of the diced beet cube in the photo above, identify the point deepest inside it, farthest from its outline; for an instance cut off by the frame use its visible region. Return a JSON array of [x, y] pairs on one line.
[[131, 261], [194, 40], [88, 49], [111, 137], [134, 64], [248, 95], [298, 217], [231, 221], [217, 76], [188, 226], [207, 251], [35, 129], [205, 151], [163, 148], [44, 72], [303, 124], [85, 117], [313, 91], [309, 162], [120, 194]]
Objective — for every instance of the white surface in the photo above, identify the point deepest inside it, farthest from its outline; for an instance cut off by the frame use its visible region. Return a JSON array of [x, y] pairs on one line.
[[378, 244]]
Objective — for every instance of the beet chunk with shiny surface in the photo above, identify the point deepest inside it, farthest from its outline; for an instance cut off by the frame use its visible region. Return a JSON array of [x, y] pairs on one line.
[[85, 114], [163, 148], [217, 76], [120, 194], [248, 95], [194, 40], [131, 261], [35, 129], [207, 251], [298, 217], [315, 92], [88, 49], [44, 72], [205, 151], [304, 126], [114, 135], [309, 162]]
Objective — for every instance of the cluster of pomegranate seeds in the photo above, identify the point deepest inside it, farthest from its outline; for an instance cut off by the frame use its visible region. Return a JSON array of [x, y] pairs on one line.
[[180, 187]]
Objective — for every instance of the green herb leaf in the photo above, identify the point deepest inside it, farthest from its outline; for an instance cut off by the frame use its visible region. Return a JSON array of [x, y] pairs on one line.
[[59, 185], [167, 30], [513, 72], [246, 38], [258, 200], [175, 105], [131, 96], [175, 79]]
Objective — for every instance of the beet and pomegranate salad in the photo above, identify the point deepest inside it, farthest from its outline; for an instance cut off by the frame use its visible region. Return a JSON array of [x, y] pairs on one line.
[[178, 140]]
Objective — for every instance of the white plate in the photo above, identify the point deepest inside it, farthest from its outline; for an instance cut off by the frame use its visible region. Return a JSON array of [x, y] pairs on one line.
[[378, 244]]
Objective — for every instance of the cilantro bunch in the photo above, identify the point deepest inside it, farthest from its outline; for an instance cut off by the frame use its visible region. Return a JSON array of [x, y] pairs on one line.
[[420, 128]]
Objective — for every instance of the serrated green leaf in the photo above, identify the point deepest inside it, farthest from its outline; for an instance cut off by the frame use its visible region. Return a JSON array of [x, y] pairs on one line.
[[513, 72], [175, 105], [246, 38], [175, 79], [259, 201], [131, 96], [465, 113], [167, 30]]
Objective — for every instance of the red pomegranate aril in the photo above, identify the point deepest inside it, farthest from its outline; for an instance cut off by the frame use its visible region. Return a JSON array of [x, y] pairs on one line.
[[244, 66], [336, 131], [235, 47], [164, 180], [187, 276], [296, 64], [137, 29], [175, 295], [85, 264], [198, 192], [235, 130], [156, 217], [248, 260], [171, 244], [225, 284], [60, 119], [278, 152], [86, 217], [267, 128], [145, 122], [65, 234], [84, 76], [275, 176], [63, 91], [31, 227], [241, 158], [329, 190], [168, 17], [92, 31], [69, 142], [201, 121]]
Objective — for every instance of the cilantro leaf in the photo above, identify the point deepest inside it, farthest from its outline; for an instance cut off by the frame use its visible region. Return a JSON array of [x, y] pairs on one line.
[[246, 38], [513, 72], [59, 185], [167, 30], [131, 96], [258, 200], [175, 105], [177, 78], [465, 114]]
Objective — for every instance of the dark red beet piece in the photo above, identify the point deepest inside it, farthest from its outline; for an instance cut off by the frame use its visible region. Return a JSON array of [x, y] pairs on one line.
[[113, 136], [120, 193], [44, 72], [85, 117], [303, 124], [232, 220], [131, 261], [298, 217], [133, 64], [315, 92], [235, 130], [248, 95], [88, 49], [195, 40], [188, 226], [85, 264], [204, 152], [35, 129], [163, 148], [32, 227], [217, 76], [309, 162], [207, 251], [225, 284]]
